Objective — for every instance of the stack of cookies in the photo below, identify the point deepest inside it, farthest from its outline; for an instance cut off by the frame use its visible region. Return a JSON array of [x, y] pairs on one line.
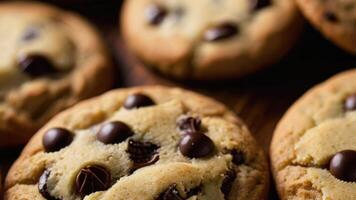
[[168, 143]]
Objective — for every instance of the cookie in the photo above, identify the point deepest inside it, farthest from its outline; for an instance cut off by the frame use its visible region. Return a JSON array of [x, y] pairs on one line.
[[336, 19], [207, 40], [313, 151], [50, 59], [141, 143]]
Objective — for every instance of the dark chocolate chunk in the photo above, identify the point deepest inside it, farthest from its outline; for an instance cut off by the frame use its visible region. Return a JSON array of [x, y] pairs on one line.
[[343, 165], [259, 4], [36, 65], [331, 17], [237, 157], [56, 138], [227, 183], [171, 193], [220, 32], [42, 185], [142, 153], [114, 133], [189, 124], [137, 101], [350, 103], [155, 14], [193, 192], [92, 179], [196, 145]]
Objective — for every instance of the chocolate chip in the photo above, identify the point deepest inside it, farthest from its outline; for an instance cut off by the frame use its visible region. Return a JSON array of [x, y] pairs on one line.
[[259, 4], [155, 14], [350, 103], [170, 194], [343, 165], [196, 145], [189, 124], [221, 32], [193, 192], [31, 33], [142, 153], [36, 65], [237, 157], [56, 138], [42, 185], [92, 179], [331, 17], [227, 183], [137, 101], [114, 133]]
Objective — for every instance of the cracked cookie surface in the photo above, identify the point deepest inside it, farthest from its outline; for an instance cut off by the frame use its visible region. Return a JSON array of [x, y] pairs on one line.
[[210, 39], [49, 60], [313, 151], [336, 19], [148, 143]]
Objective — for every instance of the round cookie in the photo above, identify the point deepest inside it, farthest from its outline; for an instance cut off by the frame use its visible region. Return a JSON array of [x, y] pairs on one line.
[[336, 19], [149, 143], [50, 59], [313, 151], [207, 40]]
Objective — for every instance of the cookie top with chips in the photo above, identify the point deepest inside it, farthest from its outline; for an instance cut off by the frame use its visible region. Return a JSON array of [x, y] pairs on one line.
[[149, 143]]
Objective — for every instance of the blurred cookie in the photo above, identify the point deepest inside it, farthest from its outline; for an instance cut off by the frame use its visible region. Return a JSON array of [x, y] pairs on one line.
[[336, 19], [142, 143], [209, 40], [313, 151], [50, 59]]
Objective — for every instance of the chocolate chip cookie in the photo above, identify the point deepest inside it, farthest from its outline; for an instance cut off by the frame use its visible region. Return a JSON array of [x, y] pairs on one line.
[[148, 143], [336, 19], [206, 40], [50, 59], [313, 151]]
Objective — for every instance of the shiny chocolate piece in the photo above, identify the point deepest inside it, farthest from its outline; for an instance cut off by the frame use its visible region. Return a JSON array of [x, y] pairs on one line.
[[343, 165], [56, 138], [137, 101], [114, 132]]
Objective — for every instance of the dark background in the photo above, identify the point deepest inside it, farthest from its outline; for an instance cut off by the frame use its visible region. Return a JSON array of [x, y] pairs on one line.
[[260, 99]]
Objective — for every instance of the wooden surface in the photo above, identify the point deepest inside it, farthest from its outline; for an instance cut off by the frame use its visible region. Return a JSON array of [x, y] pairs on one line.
[[260, 99]]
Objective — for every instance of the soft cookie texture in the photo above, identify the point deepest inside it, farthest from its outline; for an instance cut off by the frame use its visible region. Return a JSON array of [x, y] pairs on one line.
[[50, 59], [147, 143], [313, 151], [210, 39], [336, 19]]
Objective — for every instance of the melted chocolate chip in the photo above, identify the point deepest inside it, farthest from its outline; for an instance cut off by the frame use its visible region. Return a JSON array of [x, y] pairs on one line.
[[31, 33], [196, 145], [142, 153], [155, 14], [227, 183], [237, 157], [331, 17], [259, 4], [56, 138], [137, 101], [42, 185], [92, 179], [221, 32], [189, 124], [152, 161], [170, 194], [114, 133], [36, 65], [350, 103], [343, 165]]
